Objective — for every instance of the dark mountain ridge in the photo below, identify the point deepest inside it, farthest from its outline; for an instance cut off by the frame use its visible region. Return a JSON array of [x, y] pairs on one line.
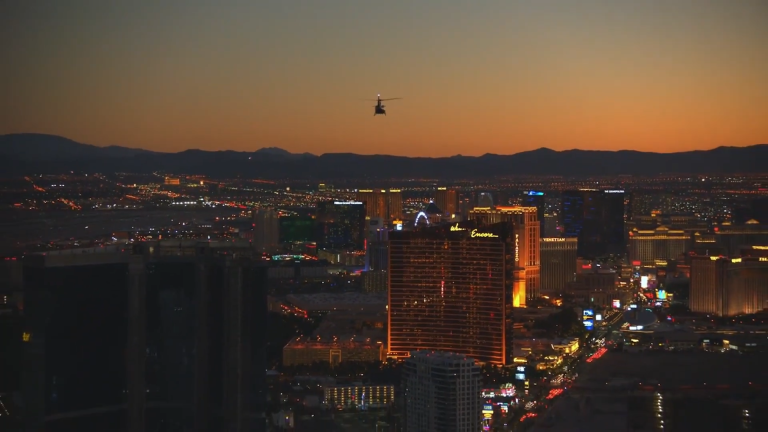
[[37, 153]]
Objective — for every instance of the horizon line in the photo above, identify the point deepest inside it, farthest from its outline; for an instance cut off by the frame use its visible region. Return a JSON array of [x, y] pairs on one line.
[[376, 154]]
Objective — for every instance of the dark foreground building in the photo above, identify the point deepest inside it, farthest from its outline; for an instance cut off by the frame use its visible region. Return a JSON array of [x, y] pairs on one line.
[[137, 341]]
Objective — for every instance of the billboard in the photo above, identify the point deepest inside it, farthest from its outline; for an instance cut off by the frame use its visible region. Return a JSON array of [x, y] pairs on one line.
[[661, 294], [589, 324], [487, 411], [643, 282], [616, 303], [588, 313], [598, 317]]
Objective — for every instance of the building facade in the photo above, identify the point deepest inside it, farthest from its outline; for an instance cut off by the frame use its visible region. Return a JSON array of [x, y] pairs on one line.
[[386, 204], [596, 219], [526, 240], [558, 264], [172, 340], [266, 230], [341, 225], [441, 392], [359, 396], [451, 289], [729, 286], [647, 247], [447, 200]]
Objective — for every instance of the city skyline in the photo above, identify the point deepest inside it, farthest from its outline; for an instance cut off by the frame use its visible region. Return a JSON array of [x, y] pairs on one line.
[[487, 77]]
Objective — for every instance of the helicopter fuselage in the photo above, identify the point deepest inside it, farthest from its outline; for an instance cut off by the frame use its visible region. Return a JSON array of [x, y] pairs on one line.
[[379, 109]]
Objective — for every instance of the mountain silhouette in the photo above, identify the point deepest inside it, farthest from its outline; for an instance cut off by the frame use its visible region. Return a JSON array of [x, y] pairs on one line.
[[38, 153]]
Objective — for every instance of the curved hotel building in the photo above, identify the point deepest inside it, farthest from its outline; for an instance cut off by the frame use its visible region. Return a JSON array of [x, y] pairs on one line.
[[450, 289]]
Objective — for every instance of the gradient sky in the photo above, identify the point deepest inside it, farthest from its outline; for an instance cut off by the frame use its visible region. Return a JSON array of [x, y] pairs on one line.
[[483, 76]]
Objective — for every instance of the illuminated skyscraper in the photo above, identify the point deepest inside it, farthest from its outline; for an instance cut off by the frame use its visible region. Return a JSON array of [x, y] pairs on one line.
[[661, 244], [729, 286], [382, 203], [375, 202], [596, 219], [526, 229], [441, 392], [447, 200], [450, 289], [394, 204], [341, 225]]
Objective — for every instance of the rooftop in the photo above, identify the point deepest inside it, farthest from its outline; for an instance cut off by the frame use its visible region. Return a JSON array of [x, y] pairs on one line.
[[441, 356], [327, 301]]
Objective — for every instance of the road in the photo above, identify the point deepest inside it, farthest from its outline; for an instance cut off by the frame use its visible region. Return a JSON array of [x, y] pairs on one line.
[[567, 373]]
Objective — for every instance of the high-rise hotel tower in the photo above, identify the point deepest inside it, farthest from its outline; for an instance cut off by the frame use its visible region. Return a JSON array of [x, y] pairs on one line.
[[526, 226], [450, 289]]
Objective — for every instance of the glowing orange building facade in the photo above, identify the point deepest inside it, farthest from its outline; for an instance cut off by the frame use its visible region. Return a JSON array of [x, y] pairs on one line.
[[526, 237], [450, 289], [447, 200], [382, 203]]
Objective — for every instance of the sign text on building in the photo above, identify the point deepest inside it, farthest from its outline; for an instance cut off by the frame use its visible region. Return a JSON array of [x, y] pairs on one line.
[[475, 233]]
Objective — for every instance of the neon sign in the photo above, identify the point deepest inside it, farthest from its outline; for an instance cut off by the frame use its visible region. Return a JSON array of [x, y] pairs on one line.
[[347, 202], [615, 191], [534, 193], [475, 233], [457, 228], [517, 248], [421, 215], [553, 239]]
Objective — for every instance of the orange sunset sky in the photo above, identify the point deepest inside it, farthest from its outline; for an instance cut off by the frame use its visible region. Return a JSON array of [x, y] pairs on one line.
[[483, 76]]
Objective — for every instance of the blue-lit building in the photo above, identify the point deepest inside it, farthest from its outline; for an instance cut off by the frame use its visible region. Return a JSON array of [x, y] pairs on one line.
[[536, 199], [596, 219]]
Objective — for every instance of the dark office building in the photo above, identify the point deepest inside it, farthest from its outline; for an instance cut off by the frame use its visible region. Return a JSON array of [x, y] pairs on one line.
[[558, 263], [297, 229], [341, 225], [76, 337], [144, 341], [485, 200], [450, 289], [536, 199], [596, 219], [755, 210]]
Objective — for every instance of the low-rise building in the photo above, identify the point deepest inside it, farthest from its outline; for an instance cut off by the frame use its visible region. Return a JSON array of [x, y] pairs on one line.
[[305, 351], [360, 396]]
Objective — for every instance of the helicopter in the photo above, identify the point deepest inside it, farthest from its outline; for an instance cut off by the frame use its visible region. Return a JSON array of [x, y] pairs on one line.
[[379, 108]]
